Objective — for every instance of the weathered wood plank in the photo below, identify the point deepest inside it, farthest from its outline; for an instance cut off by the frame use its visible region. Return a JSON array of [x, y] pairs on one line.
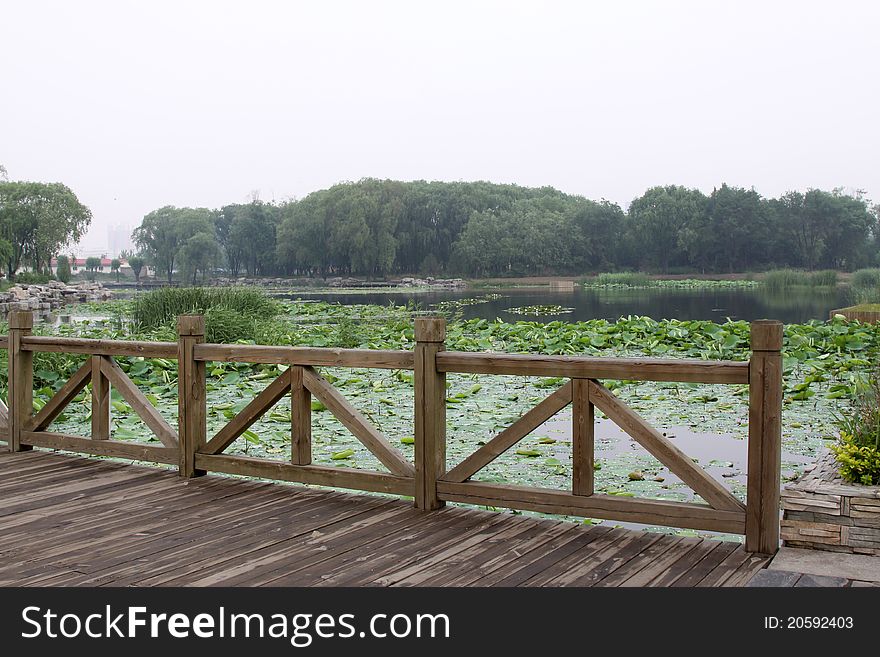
[[429, 414], [191, 394], [530, 421], [378, 482], [663, 450], [267, 398], [100, 347], [61, 399], [354, 421], [582, 438], [21, 378], [765, 438], [139, 403], [577, 367], [131, 450], [73, 521], [300, 418], [305, 356], [671, 514], [100, 400]]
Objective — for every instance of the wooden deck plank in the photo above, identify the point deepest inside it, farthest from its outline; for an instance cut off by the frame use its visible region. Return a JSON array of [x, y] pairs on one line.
[[663, 561], [706, 565], [383, 559], [533, 537], [240, 535], [642, 561], [682, 566], [67, 520]]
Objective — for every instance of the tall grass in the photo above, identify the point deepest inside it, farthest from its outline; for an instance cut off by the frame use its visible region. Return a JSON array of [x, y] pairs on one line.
[[231, 313], [866, 278], [823, 278], [782, 279], [865, 286], [627, 278]]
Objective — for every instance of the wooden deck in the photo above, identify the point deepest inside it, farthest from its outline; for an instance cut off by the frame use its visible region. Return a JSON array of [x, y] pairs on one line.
[[75, 521]]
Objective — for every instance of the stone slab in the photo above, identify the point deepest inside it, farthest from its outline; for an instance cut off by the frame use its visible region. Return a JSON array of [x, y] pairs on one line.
[[817, 562]]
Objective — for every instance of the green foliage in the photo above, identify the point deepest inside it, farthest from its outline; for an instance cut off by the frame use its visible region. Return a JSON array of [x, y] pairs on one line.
[[824, 278], [624, 279], [378, 227], [347, 335], [223, 325], [62, 270], [232, 312], [865, 278], [858, 450], [33, 278], [859, 464], [862, 422], [778, 280], [114, 267], [200, 253], [164, 233], [38, 220], [137, 264]]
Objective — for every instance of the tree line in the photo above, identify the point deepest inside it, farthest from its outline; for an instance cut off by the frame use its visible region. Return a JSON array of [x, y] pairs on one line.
[[378, 227]]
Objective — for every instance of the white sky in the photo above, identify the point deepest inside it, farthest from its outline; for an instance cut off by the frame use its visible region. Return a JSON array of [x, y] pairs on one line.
[[140, 105]]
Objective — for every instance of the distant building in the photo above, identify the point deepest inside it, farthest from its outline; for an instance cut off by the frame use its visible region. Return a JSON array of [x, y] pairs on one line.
[[119, 239], [80, 263]]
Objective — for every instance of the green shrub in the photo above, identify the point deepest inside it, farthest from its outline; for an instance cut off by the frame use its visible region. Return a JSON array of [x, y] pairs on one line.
[[229, 311], [858, 464], [858, 450], [63, 269], [824, 278], [33, 278]]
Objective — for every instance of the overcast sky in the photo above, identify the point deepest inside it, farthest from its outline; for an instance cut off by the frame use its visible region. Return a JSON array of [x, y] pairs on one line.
[[140, 105]]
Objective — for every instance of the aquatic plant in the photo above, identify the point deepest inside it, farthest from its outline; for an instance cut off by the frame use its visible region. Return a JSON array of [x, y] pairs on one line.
[[823, 278], [546, 310], [626, 279], [233, 311]]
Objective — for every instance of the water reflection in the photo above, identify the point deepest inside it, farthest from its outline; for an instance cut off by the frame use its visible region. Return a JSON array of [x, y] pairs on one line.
[[791, 306]]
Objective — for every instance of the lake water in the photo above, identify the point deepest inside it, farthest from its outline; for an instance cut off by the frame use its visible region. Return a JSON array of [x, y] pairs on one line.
[[792, 306]]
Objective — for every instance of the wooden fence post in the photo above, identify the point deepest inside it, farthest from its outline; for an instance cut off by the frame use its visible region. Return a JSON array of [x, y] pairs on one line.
[[191, 412], [765, 437], [430, 411], [100, 401], [582, 438], [21, 378], [300, 418]]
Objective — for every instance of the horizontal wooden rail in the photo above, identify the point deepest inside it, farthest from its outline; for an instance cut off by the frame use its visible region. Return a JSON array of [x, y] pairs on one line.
[[612, 507], [321, 475], [311, 356], [4, 342], [576, 367], [117, 448], [99, 347]]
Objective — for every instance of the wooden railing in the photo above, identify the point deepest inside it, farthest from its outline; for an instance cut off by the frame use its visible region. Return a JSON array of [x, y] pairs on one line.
[[427, 480]]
